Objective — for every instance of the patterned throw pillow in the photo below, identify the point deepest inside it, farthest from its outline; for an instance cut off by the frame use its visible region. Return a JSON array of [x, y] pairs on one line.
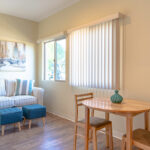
[[2, 87], [24, 87], [10, 87]]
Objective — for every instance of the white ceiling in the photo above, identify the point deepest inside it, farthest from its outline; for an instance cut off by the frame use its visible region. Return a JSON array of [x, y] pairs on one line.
[[35, 10]]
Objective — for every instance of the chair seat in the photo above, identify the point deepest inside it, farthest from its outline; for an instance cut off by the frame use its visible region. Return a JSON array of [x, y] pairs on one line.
[[142, 136], [96, 122]]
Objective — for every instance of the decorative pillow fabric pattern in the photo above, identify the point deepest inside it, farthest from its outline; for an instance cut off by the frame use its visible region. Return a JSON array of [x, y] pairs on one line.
[[2, 87], [10, 86], [24, 87]]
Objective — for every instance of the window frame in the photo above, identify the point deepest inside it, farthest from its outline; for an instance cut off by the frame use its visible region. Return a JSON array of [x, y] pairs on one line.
[[55, 59]]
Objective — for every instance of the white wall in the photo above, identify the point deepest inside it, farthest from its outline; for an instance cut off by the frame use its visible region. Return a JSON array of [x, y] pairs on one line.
[[20, 30], [136, 69]]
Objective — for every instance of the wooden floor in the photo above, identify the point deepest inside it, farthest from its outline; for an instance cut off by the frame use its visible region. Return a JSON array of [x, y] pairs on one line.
[[56, 135]]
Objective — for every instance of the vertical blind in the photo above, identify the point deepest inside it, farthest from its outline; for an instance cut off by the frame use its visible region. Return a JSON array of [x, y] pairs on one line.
[[93, 56]]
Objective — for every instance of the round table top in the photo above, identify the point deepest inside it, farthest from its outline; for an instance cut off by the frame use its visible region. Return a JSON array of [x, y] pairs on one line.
[[127, 106]]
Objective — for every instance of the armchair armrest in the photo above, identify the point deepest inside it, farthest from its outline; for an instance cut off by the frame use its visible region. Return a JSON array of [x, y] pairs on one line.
[[39, 93]]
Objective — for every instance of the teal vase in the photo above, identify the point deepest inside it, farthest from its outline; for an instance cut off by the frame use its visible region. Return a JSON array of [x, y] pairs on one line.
[[116, 98]]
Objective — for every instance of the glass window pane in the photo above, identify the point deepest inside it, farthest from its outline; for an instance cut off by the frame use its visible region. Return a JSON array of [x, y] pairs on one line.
[[61, 59], [49, 60]]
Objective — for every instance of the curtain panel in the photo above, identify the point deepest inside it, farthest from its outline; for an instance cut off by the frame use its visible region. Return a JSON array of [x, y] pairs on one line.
[[94, 56]]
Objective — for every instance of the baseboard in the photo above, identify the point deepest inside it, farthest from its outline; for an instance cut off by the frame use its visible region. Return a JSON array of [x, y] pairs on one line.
[[61, 116], [116, 134]]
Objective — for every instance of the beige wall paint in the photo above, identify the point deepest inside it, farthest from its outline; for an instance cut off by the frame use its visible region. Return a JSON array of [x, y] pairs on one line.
[[20, 30], [136, 60]]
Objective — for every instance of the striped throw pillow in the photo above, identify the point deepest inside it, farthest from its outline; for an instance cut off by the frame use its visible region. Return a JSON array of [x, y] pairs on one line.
[[24, 87], [2, 87], [10, 86]]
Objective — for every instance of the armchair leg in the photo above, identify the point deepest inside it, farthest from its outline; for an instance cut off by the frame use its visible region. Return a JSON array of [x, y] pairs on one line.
[[30, 122], [3, 130], [43, 121], [19, 126], [24, 121]]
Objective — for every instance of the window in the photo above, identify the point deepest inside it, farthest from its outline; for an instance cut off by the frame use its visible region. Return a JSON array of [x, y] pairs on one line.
[[93, 56], [55, 60]]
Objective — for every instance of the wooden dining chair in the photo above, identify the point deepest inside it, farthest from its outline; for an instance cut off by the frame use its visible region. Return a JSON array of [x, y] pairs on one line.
[[95, 123], [141, 139]]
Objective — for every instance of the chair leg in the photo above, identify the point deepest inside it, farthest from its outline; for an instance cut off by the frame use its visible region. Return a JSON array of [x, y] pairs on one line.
[[91, 135], [94, 139], [123, 143], [3, 130], [19, 126], [110, 137], [107, 136], [43, 121], [30, 122], [75, 138]]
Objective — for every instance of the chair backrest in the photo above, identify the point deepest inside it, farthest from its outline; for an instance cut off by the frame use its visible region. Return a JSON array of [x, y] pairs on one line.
[[78, 102]]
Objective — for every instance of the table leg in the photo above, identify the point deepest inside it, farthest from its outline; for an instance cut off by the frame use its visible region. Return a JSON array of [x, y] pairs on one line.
[[147, 120], [129, 126], [87, 114], [107, 129]]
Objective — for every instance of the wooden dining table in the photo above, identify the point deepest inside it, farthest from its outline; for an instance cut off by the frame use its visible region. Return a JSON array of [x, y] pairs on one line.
[[128, 108]]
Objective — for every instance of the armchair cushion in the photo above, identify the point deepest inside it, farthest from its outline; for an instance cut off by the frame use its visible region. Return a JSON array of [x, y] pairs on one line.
[[6, 102], [23, 100]]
